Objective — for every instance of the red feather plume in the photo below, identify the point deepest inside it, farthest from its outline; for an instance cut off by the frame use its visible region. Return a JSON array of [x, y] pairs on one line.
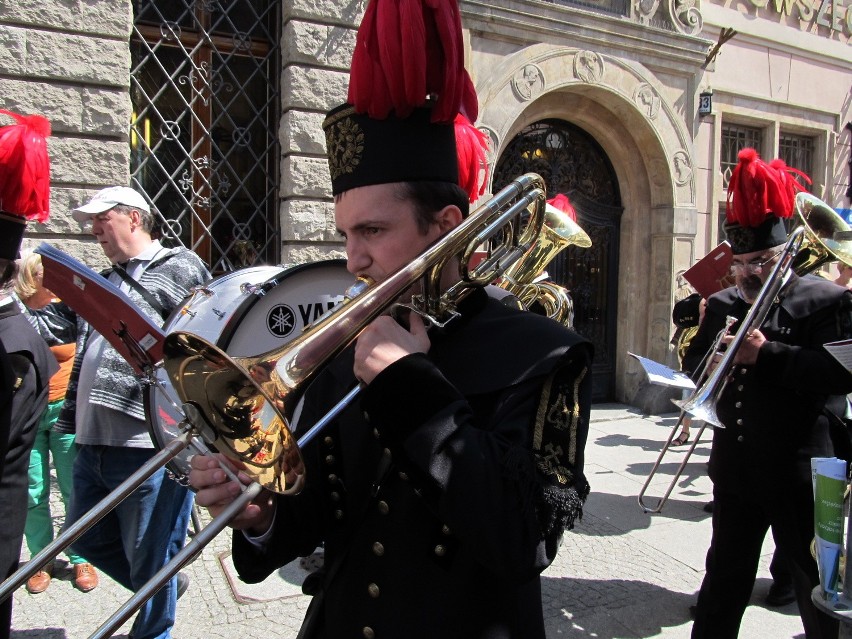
[[561, 203], [758, 189], [471, 147], [407, 51], [25, 167], [786, 195]]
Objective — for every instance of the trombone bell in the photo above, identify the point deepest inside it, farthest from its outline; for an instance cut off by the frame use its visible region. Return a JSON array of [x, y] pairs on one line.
[[237, 414], [828, 237]]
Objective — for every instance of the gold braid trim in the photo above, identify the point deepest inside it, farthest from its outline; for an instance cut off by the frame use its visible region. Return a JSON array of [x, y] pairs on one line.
[[553, 419]]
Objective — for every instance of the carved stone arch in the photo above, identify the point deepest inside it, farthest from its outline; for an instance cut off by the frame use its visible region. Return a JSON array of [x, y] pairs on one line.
[[626, 88], [625, 109]]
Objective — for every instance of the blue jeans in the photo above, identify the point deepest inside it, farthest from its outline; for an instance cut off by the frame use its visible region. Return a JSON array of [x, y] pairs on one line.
[[131, 543]]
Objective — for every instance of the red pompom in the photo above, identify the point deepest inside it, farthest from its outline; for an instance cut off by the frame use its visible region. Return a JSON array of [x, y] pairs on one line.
[[25, 167], [407, 51], [563, 204], [471, 147], [758, 189]]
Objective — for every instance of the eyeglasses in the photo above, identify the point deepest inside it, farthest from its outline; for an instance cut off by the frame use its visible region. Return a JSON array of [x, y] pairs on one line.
[[755, 265]]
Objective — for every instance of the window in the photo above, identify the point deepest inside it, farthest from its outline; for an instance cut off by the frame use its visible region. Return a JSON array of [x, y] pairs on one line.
[[204, 144], [798, 152], [735, 138]]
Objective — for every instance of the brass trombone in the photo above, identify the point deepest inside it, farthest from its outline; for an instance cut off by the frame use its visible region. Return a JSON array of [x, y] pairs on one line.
[[238, 405], [822, 236], [705, 363]]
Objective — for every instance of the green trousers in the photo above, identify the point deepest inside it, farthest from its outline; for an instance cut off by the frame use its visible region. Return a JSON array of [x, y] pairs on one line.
[[39, 527]]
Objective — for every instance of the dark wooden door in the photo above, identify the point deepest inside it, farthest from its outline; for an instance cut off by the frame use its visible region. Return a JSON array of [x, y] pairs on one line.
[[573, 163]]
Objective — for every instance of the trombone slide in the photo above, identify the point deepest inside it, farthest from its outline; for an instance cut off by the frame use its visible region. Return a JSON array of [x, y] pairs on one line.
[[641, 497], [192, 548], [76, 530]]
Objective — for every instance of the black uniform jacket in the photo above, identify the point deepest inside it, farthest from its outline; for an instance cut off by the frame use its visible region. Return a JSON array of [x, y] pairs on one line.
[[443, 495], [26, 367], [773, 411]]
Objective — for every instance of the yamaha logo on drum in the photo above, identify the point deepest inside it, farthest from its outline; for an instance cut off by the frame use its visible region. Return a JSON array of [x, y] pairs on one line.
[[281, 320]]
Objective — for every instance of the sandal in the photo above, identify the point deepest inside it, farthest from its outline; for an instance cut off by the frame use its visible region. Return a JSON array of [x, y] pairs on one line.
[[680, 440]]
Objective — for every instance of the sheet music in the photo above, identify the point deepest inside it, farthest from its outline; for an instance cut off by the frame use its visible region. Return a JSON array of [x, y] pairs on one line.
[[842, 352], [663, 375], [712, 273], [103, 305]]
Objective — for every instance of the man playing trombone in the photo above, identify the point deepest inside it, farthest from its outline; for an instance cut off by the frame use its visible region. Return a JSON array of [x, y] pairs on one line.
[[771, 408], [444, 494]]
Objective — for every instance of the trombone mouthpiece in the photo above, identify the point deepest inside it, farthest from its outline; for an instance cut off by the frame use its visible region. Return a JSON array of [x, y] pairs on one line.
[[361, 284]]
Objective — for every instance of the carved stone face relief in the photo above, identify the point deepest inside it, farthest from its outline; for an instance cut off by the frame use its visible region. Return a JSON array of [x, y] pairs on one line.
[[647, 100], [493, 144], [528, 82], [682, 168], [588, 66]]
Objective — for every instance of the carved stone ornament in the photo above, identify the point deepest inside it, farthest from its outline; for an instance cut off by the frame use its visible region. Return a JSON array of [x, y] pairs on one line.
[[646, 10], [493, 144], [646, 98], [682, 168], [528, 82], [345, 146], [685, 16], [588, 66]]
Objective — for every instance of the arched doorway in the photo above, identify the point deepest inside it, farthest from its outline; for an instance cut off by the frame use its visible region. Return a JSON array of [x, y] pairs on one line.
[[573, 163]]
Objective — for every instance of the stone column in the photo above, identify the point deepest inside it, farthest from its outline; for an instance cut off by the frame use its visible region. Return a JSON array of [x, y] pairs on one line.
[[317, 43]]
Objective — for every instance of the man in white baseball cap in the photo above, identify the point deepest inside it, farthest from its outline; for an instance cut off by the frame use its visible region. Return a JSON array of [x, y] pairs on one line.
[[107, 198], [104, 406]]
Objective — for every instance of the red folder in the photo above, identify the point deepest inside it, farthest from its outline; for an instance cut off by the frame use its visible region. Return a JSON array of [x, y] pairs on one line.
[[712, 273], [105, 307]]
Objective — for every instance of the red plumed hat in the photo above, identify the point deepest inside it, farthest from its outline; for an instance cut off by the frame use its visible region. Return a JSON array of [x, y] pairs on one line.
[[472, 149], [24, 178], [25, 167], [760, 197], [407, 85], [407, 51], [758, 189], [561, 203]]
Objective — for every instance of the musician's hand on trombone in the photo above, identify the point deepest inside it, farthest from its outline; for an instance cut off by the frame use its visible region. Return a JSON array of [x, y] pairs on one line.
[[215, 490], [385, 341], [750, 345]]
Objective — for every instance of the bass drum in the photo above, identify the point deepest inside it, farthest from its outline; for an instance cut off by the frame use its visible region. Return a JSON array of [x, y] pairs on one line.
[[245, 313]]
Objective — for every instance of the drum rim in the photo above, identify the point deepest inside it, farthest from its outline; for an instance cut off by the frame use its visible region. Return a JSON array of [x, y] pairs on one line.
[[178, 466]]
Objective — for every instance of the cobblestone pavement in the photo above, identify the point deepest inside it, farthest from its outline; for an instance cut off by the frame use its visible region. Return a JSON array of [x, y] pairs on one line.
[[621, 574]]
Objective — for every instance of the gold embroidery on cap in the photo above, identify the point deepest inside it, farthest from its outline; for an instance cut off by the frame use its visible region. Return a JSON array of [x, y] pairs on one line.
[[345, 144], [741, 238]]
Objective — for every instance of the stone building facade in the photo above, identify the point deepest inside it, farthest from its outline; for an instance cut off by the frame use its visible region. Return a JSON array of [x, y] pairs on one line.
[[629, 76]]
